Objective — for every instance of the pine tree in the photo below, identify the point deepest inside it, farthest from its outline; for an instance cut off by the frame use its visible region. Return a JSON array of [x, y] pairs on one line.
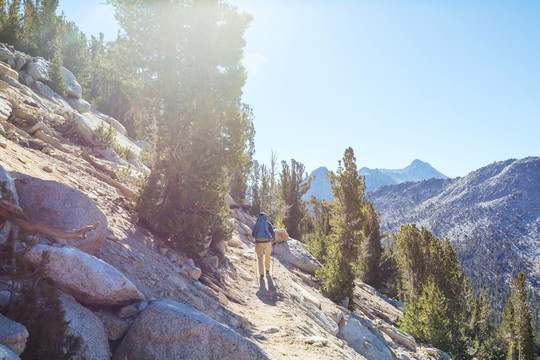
[[75, 53], [319, 239], [188, 55], [58, 84], [3, 15], [11, 29], [485, 342], [425, 259], [294, 184], [240, 160], [348, 217], [336, 275], [37, 305], [27, 42], [347, 224], [371, 251], [427, 317], [516, 325], [255, 188]]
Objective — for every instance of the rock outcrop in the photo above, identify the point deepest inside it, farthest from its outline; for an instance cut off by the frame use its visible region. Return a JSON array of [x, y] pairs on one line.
[[83, 323], [170, 330], [295, 253], [7, 354], [63, 207], [12, 335], [7, 192], [365, 341], [38, 69], [73, 88], [7, 71], [90, 280]]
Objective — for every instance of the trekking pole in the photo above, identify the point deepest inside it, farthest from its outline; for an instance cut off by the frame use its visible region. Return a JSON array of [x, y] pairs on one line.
[[272, 261]]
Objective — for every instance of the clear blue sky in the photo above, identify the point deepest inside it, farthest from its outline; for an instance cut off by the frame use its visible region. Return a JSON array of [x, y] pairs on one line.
[[453, 83]]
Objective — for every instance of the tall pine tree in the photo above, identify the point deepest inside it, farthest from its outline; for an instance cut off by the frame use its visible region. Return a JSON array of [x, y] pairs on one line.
[[347, 224], [294, 184], [188, 54], [370, 257], [348, 217], [516, 326]]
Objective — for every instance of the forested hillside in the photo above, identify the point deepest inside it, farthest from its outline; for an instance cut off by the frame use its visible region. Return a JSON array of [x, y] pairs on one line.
[[492, 216]]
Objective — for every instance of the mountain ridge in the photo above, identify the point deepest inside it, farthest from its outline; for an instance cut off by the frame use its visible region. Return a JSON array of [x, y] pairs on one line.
[[416, 171], [493, 210]]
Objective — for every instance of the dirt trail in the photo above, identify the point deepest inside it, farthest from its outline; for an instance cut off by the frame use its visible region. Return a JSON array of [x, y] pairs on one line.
[[278, 322]]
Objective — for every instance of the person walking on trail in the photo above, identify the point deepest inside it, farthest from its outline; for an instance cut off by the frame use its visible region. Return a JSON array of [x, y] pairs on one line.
[[264, 236]]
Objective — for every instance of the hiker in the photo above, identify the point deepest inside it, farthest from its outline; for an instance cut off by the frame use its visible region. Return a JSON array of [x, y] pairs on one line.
[[264, 236]]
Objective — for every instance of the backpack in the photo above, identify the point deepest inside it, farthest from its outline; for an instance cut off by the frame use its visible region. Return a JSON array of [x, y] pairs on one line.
[[263, 228]]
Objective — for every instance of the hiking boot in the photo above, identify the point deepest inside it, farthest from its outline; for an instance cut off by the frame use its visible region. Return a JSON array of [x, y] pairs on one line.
[[262, 277], [267, 273]]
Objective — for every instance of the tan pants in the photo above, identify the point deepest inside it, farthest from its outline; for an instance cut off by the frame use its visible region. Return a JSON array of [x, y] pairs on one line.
[[263, 249]]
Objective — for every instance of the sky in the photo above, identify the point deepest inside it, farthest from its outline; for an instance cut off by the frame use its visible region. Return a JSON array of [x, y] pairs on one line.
[[452, 83]]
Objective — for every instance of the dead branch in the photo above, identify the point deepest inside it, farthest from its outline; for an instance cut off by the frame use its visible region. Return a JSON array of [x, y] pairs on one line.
[[125, 191], [14, 213], [100, 167]]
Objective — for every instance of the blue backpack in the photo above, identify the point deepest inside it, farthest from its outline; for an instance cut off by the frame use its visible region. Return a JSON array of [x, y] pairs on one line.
[[263, 228]]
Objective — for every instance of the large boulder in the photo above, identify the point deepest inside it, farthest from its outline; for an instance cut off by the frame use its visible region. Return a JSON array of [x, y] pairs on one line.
[[61, 206], [44, 90], [78, 105], [323, 320], [20, 61], [73, 88], [12, 335], [7, 354], [112, 122], [295, 253], [7, 192], [6, 70], [170, 330], [38, 68], [88, 122], [5, 53], [90, 280], [366, 342], [84, 128], [83, 323], [5, 109], [399, 336]]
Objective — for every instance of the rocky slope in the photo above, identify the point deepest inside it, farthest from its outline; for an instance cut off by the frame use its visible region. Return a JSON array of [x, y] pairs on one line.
[[418, 170], [492, 214], [131, 295]]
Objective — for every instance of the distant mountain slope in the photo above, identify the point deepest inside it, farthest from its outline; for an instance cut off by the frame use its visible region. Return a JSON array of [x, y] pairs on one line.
[[416, 171], [492, 215], [376, 178], [320, 187]]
